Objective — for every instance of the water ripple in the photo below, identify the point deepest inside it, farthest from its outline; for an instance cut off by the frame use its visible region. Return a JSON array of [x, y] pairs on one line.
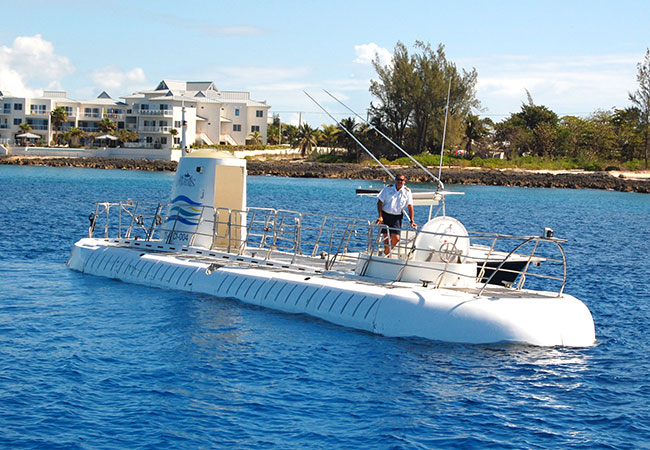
[[87, 362]]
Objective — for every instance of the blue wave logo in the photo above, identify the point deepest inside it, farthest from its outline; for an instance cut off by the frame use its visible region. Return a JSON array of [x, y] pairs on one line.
[[182, 220], [189, 212], [184, 213], [186, 199]]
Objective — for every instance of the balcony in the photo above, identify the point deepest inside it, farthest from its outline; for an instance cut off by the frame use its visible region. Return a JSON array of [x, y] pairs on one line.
[[154, 129], [39, 127], [5, 112], [39, 112], [4, 126], [154, 112], [91, 115], [114, 116]]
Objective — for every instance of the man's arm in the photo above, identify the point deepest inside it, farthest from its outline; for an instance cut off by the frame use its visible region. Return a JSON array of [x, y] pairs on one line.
[[379, 208], [412, 216]]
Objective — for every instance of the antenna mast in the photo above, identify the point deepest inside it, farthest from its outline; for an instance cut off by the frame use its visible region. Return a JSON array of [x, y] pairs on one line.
[[436, 179], [352, 136], [444, 130]]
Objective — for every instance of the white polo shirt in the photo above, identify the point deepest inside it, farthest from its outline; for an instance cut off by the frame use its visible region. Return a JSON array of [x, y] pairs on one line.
[[394, 201]]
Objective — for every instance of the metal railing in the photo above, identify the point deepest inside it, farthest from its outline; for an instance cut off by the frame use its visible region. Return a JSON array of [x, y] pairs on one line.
[[334, 243], [159, 129], [154, 112]]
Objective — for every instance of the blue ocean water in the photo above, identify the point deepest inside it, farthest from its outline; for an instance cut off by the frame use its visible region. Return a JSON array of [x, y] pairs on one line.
[[88, 362]]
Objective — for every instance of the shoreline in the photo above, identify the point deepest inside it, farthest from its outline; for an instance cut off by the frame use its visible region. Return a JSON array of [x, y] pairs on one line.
[[615, 180]]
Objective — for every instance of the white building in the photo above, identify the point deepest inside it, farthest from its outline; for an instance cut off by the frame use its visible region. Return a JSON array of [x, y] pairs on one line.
[[211, 116]]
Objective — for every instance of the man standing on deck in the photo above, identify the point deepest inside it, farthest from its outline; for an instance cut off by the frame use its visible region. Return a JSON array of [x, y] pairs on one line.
[[390, 203]]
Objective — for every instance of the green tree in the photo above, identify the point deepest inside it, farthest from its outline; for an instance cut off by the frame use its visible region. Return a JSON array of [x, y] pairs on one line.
[[25, 127], [393, 91], [630, 141], [307, 139], [106, 125], [255, 137], [641, 100], [273, 131], [329, 135], [412, 94], [346, 141], [174, 133], [59, 116], [531, 130], [290, 133], [73, 136], [574, 138], [131, 136], [475, 130]]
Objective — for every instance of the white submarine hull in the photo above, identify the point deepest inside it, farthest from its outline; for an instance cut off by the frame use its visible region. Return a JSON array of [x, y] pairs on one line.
[[500, 315]]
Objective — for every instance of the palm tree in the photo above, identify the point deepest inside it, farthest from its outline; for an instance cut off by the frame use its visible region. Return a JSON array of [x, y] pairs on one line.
[[73, 136], [25, 127], [106, 125], [329, 135], [131, 136], [255, 137], [59, 117], [273, 134], [346, 141], [174, 133], [307, 139], [76, 134], [291, 135]]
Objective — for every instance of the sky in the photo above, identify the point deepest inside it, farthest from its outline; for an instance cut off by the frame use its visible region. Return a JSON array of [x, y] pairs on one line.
[[574, 57]]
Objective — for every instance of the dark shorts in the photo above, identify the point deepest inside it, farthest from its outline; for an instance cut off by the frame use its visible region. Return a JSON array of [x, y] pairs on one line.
[[393, 221]]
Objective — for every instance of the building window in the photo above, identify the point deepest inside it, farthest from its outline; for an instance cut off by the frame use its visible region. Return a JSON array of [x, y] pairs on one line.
[[236, 112], [18, 106], [149, 139], [177, 123], [17, 122], [259, 113], [255, 128], [236, 127], [163, 140], [177, 141]]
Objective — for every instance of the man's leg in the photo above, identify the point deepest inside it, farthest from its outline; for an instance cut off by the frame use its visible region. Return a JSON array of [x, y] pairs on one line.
[[386, 244], [394, 239]]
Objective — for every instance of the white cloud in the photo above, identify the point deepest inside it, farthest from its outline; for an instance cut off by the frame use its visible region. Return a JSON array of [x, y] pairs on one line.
[[366, 53], [575, 85], [112, 78], [31, 60]]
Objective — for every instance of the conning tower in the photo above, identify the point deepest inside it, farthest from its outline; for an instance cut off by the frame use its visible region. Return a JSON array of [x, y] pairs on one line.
[[208, 184]]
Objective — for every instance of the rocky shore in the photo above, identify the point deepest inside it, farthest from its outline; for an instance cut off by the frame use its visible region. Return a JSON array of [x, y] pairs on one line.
[[302, 169]]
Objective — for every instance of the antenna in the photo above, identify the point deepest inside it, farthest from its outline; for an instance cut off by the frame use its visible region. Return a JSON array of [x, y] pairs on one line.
[[444, 130], [352, 136], [436, 179]]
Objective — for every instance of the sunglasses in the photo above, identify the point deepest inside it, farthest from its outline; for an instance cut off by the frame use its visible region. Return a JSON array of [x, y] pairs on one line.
[[401, 179]]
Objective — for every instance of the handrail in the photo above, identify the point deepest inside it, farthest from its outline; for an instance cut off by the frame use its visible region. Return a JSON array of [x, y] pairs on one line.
[[340, 243]]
